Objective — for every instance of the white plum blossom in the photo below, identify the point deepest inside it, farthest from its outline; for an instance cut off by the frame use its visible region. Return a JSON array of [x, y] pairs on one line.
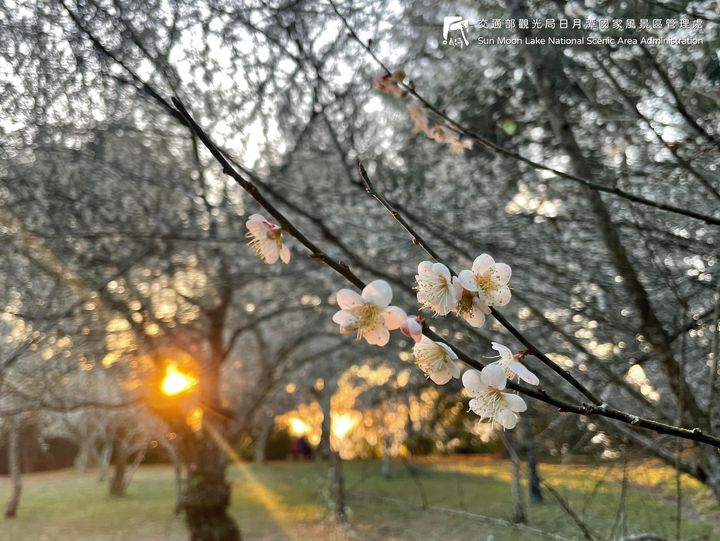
[[412, 328], [267, 240], [490, 402], [435, 288], [369, 314], [437, 360], [488, 279], [511, 367], [469, 305]]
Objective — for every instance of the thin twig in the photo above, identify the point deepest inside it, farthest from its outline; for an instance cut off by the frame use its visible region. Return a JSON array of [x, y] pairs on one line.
[[611, 188], [584, 528], [602, 410], [420, 241]]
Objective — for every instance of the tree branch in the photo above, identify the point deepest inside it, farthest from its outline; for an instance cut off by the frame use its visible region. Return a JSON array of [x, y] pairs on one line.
[[602, 410]]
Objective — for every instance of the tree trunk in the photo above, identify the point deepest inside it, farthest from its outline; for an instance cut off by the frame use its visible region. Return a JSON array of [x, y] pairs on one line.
[[14, 468], [117, 482], [177, 469], [324, 448], [83, 457], [337, 488], [105, 456], [386, 463], [650, 325], [519, 510], [528, 443], [206, 495], [336, 485], [139, 457], [262, 439]]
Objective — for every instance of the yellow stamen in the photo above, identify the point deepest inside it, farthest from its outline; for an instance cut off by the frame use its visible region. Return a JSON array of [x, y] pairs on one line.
[[368, 317]]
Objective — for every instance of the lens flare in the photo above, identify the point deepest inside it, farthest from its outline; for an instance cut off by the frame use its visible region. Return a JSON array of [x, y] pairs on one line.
[[175, 381]]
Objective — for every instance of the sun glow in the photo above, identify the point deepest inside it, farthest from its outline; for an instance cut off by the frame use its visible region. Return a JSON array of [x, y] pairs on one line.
[[297, 427], [175, 381], [342, 424]]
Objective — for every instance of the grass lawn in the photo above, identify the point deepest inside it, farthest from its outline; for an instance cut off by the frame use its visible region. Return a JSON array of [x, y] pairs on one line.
[[286, 501]]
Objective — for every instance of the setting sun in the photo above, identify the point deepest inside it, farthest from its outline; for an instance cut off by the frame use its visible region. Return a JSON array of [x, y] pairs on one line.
[[175, 381]]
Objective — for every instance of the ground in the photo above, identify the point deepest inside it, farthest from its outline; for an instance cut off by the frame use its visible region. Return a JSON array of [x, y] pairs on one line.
[[286, 501]]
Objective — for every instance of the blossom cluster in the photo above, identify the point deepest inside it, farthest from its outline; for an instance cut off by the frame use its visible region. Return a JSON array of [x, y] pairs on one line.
[[436, 132], [389, 83], [469, 295], [369, 315]]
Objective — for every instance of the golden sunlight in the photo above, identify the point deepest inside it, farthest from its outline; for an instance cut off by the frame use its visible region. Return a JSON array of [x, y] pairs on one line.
[[297, 427], [175, 381], [194, 419], [342, 424]]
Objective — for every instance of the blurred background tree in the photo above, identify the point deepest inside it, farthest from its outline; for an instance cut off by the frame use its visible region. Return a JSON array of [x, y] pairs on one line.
[[122, 235]]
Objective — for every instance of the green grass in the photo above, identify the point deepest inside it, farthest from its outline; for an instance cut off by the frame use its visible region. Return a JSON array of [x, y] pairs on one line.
[[287, 501]]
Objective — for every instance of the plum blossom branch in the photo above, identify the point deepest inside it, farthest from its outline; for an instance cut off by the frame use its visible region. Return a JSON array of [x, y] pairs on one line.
[[409, 88], [251, 189], [181, 114], [602, 410], [493, 391], [420, 241]]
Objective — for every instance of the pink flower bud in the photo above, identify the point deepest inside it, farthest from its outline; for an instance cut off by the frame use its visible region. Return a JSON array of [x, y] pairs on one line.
[[412, 328]]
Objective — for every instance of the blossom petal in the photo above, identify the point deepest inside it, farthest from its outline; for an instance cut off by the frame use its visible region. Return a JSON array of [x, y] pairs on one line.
[[345, 318], [503, 272], [467, 280], [257, 225], [473, 382], [482, 264], [480, 304], [377, 335], [412, 328], [454, 369], [515, 402], [446, 305], [441, 377], [394, 317], [475, 318], [501, 296], [507, 418], [504, 351], [523, 373], [270, 252], [494, 376], [425, 267], [378, 292], [285, 254], [449, 350], [458, 287], [348, 299], [475, 405], [442, 270]]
